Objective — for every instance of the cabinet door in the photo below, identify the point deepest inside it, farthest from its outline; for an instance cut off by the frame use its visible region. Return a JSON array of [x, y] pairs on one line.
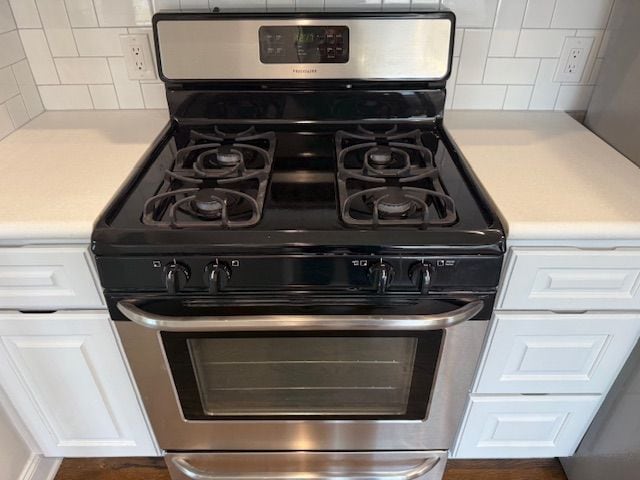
[[67, 378], [571, 279], [551, 353], [47, 278], [521, 426]]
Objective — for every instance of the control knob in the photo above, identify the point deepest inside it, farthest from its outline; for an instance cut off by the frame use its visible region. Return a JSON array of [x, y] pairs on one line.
[[381, 275], [421, 276], [217, 275], [176, 277]]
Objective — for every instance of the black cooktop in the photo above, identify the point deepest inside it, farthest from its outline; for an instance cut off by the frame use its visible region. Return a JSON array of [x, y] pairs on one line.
[[297, 190]]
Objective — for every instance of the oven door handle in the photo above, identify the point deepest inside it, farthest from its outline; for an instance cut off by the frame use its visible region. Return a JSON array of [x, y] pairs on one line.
[[266, 323], [418, 471]]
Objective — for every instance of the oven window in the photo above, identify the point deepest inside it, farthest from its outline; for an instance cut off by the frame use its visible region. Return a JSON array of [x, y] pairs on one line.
[[294, 376]]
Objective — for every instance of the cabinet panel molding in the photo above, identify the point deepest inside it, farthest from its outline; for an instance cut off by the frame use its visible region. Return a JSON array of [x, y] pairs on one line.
[[47, 278], [571, 279], [550, 353], [67, 378], [525, 426]]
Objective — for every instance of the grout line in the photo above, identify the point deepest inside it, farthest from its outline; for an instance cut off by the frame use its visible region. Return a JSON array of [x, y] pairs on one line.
[[553, 13]]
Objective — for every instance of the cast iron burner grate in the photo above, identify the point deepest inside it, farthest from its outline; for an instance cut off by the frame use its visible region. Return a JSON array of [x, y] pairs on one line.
[[219, 179], [390, 178]]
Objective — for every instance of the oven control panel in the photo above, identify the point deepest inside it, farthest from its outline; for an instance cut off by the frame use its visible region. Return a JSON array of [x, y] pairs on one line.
[[304, 44], [215, 275]]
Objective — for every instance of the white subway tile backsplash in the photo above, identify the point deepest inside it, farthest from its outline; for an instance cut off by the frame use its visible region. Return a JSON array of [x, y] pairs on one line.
[[506, 29], [17, 111], [353, 5], [162, 5], [39, 56], [6, 17], [281, 5], [154, 95], [235, 6], [123, 13], [61, 42], [581, 13], [311, 5], [511, 71], [538, 13], [473, 55], [196, 4], [573, 97], [424, 4], [65, 97], [396, 5], [128, 91], [99, 42], [8, 85], [505, 53], [6, 124], [10, 48], [542, 43], [518, 97], [28, 89], [25, 13], [473, 13], [104, 97], [83, 70], [457, 43], [479, 96], [545, 91], [595, 72], [504, 42], [81, 13]]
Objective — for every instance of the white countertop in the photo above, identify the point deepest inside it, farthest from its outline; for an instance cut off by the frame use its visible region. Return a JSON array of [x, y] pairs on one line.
[[58, 172], [550, 177]]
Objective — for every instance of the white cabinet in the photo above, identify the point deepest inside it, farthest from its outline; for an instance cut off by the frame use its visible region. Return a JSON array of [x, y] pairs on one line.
[[525, 426], [566, 320], [571, 279], [544, 352], [47, 278], [66, 377]]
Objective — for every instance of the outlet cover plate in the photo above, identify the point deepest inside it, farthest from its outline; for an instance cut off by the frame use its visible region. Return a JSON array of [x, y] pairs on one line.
[[137, 56], [573, 59]]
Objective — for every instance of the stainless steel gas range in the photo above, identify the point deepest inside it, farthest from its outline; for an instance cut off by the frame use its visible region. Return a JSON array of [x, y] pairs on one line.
[[302, 269]]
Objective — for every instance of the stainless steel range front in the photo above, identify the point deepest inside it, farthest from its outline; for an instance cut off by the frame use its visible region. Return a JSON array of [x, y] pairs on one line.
[[302, 271]]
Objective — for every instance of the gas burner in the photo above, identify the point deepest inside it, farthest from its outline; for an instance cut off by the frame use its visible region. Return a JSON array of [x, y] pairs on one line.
[[392, 203], [410, 206], [209, 203], [219, 179], [389, 177]]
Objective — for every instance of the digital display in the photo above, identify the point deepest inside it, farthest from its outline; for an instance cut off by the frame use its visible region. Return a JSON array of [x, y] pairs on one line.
[[304, 44]]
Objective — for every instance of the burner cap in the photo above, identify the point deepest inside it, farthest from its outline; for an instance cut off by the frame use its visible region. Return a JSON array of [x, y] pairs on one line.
[[228, 157], [393, 202], [209, 203], [380, 156]]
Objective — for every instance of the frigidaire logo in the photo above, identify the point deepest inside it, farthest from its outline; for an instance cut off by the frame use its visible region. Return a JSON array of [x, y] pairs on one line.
[[304, 70]]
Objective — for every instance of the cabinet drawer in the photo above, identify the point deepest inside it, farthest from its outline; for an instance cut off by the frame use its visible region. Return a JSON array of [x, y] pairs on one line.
[[566, 279], [553, 353], [525, 426], [48, 278]]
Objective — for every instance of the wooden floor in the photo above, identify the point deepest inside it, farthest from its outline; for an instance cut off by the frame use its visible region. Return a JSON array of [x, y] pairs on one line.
[[154, 469]]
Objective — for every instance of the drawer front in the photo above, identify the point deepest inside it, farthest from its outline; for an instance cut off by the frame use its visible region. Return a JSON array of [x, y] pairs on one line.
[[566, 279], [525, 426], [420, 465], [552, 353], [47, 279]]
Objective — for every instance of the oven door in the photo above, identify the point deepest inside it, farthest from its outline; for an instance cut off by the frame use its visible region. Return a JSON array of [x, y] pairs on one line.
[[302, 382]]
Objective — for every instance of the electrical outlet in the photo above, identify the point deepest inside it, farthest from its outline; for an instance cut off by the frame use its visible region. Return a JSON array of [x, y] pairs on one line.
[[573, 59], [137, 57]]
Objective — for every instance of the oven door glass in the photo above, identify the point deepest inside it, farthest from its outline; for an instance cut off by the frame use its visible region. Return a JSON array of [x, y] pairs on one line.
[[359, 375]]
